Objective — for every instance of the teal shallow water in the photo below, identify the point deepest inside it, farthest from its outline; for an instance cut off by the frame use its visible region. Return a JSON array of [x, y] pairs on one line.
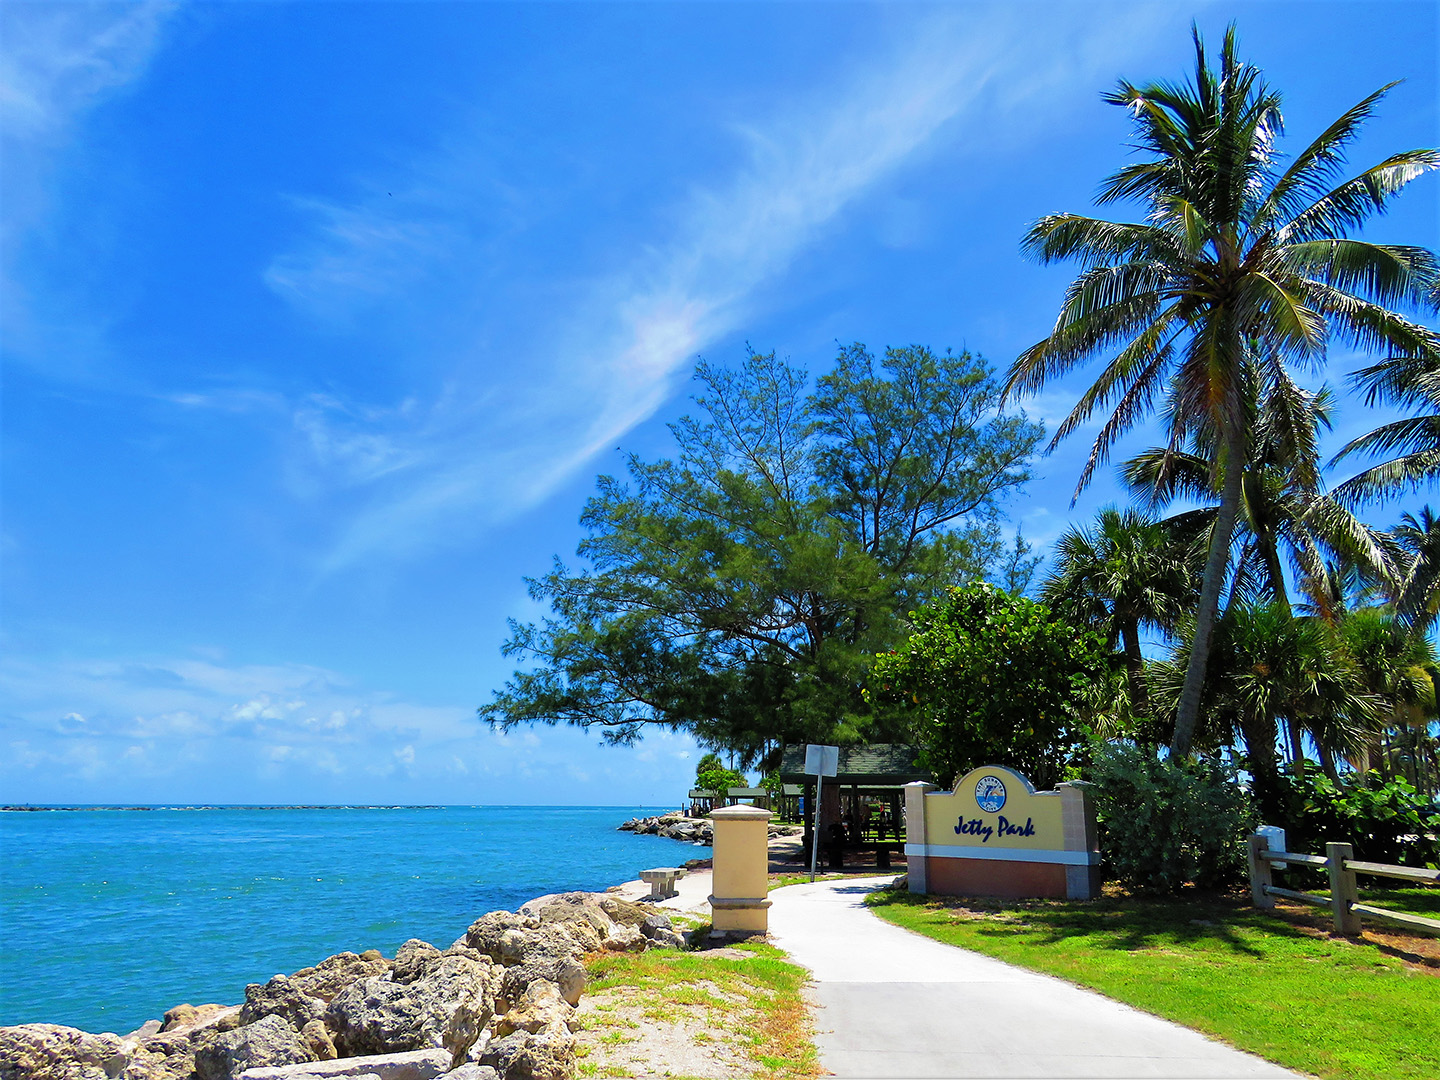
[[110, 917]]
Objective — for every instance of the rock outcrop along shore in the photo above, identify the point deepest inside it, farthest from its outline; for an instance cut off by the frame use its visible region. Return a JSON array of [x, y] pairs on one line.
[[498, 1004], [675, 826], [691, 830]]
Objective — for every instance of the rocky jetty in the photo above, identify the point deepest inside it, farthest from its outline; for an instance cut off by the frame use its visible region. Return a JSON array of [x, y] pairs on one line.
[[498, 1004], [691, 830], [675, 826]]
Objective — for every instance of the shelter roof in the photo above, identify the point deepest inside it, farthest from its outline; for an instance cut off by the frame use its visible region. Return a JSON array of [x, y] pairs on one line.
[[877, 765]]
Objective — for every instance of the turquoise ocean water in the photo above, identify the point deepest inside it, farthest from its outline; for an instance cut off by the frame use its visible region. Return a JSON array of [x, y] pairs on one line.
[[110, 917]]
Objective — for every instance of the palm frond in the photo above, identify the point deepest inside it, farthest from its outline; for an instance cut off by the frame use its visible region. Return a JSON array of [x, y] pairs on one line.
[[1351, 204]]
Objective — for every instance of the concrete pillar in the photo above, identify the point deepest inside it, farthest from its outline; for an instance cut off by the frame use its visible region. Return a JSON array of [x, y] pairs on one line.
[[1077, 816], [915, 835], [742, 869]]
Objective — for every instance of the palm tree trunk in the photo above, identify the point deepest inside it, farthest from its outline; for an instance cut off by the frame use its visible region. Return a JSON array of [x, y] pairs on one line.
[[1210, 586], [1135, 670]]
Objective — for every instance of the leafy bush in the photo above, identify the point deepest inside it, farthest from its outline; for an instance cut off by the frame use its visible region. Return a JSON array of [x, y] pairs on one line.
[[1385, 821], [997, 679], [710, 761], [719, 780], [1165, 823]]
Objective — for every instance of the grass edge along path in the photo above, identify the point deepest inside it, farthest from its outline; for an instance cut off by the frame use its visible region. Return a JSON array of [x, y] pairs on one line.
[[1302, 999], [755, 1002]]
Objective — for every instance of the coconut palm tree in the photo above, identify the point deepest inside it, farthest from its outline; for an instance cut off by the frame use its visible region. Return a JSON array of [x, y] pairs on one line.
[[1417, 592], [1269, 667], [1123, 574], [1398, 667], [1409, 382], [1239, 255]]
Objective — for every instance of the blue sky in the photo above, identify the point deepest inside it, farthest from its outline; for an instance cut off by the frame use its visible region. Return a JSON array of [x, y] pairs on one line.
[[320, 319]]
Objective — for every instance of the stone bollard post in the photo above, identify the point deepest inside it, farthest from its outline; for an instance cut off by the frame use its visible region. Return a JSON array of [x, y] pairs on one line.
[[742, 869]]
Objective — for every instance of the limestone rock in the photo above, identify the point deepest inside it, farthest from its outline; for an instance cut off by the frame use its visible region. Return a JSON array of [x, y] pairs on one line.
[[318, 1038], [623, 911], [539, 1010], [448, 1007], [189, 1017], [624, 938], [52, 1052], [333, 974], [413, 1065], [523, 1056], [411, 960], [280, 997], [471, 1071], [271, 1040], [485, 933]]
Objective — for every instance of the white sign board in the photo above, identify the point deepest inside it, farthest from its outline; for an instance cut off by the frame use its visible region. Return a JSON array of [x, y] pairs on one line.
[[822, 760]]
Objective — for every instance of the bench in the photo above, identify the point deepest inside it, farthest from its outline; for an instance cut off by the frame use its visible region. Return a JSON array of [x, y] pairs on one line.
[[662, 881]]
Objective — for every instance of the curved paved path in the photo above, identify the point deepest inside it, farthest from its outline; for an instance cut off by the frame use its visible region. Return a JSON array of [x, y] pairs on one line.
[[896, 1004]]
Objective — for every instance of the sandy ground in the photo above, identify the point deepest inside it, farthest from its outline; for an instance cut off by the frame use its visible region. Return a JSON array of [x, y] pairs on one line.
[[627, 1035]]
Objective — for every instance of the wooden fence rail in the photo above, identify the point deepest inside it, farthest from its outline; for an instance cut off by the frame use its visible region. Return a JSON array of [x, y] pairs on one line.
[[1344, 899]]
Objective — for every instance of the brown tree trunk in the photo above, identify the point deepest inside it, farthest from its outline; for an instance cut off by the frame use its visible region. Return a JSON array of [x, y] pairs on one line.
[[1135, 670], [1214, 580]]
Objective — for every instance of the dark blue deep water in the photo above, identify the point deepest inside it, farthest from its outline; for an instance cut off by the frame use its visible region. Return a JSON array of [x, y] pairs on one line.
[[110, 917]]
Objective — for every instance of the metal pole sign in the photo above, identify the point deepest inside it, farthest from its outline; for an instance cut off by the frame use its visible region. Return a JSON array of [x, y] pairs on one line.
[[820, 761]]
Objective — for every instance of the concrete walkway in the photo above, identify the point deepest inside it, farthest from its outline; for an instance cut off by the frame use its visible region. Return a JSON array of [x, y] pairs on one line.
[[896, 1004]]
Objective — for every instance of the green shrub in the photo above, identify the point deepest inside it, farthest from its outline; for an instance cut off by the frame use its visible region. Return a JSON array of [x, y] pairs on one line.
[[993, 679], [1385, 821], [719, 780], [1165, 824]]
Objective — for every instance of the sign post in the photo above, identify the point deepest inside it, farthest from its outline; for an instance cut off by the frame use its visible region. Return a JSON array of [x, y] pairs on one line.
[[820, 762]]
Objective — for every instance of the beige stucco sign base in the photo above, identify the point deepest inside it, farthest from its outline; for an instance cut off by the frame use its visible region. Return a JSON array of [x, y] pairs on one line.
[[995, 835]]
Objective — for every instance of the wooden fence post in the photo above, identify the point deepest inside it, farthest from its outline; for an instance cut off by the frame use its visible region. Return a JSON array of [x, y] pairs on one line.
[[1260, 877], [1344, 893]]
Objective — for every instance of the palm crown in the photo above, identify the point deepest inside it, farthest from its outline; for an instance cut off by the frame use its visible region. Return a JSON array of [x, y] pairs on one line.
[[1240, 259]]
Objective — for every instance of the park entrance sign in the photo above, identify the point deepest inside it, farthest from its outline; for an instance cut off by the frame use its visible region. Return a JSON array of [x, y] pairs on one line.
[[995, 835]]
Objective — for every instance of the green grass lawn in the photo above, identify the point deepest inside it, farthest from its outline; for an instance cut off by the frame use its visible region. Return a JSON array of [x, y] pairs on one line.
[[1302, 999]]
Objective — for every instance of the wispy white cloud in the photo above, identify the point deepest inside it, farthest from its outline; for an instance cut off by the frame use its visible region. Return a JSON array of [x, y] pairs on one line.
[[514, 427], [102, 726], [57, 61]]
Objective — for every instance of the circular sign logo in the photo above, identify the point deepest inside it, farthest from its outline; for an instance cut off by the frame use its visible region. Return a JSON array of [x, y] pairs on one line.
[[990, 794]]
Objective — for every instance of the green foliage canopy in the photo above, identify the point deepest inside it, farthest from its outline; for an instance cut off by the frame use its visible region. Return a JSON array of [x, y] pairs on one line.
[[995, 679], [739, 589]]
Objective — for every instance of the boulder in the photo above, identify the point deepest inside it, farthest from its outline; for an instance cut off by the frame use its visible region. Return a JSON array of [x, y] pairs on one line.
[[523, 1056], [413, 1065], [448, 1007], [280, 997], [486, 932], [540, 1009], [52, 1052], [550, 953], [183, 1018], [624, 938], [411, 960], [333, 974], [271, 1040], [318, 1038], [471, 1071]]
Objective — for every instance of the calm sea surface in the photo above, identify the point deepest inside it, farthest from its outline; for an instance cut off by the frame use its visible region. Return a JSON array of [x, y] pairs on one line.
[[110, 917]]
